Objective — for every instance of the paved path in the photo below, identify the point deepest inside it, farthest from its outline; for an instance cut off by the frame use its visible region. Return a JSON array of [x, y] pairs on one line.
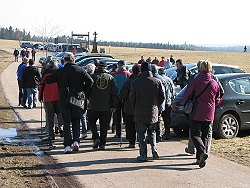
[[117, 166]]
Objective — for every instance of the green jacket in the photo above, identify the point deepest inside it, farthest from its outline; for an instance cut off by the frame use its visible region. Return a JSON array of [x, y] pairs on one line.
[[104, 93]]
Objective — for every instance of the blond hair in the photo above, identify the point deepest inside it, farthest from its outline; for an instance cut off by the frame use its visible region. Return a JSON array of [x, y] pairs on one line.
[[205, 66]]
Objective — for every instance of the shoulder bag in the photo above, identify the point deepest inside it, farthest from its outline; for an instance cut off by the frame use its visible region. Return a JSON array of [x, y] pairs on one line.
[[188, 107]]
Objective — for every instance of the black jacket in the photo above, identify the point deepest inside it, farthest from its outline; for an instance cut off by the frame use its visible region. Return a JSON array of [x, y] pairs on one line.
[[124, 95], [146, 95], [104, 93], [28, 78], [75, 76]]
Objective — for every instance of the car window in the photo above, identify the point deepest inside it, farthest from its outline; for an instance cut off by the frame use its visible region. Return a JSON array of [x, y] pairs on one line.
[[220, 70], [241, 85], [235, 70]]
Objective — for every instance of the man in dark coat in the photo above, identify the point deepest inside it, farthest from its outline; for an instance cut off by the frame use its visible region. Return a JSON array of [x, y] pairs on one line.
[[128, 108], [103, 100], [182, 74], [74, 77], [146, 95]]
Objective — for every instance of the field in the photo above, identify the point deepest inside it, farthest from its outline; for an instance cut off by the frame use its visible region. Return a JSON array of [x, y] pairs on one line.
[[11, 157], [133, 54]]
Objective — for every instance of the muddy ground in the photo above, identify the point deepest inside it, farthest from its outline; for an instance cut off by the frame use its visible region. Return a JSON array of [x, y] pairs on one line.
[[19, 166]]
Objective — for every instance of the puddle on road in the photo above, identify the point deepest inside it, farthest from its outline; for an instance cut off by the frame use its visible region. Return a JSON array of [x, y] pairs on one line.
[[6, 133]]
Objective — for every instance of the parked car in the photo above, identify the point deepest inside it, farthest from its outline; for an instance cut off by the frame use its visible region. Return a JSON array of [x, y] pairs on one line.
[[38, 46], [232, 113], [26, 45], [84, 62], [78, 48], [193, 69], [83, 56], [43, 58]]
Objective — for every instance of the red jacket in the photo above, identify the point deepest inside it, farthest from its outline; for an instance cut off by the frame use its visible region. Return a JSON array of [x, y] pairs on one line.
[[50, 91]]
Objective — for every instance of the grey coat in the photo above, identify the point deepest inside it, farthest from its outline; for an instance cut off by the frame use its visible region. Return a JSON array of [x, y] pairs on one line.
[[146, 95]]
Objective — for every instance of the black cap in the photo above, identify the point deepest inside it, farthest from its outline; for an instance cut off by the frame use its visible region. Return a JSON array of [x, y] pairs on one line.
[[102, 64], [121, 63]]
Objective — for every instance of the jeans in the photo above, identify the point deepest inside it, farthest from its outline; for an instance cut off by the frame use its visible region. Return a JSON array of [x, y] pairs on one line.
[[167, 120], [71, 115], [191, 146], [84, 121], [199, 134], [104, 119], [142, 129], [32, 96]]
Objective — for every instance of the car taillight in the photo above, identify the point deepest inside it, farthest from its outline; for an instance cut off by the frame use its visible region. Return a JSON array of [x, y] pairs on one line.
[[220, 101]]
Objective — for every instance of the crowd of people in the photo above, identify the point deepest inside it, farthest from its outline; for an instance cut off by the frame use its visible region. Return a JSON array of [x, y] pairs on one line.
[[139, 99]]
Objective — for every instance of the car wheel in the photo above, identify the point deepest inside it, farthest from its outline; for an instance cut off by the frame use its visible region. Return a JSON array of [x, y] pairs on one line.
[[228, 126], [181, 132]]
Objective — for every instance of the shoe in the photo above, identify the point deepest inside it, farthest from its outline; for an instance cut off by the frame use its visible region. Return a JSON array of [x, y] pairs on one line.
[[67, 150], [197, 162], [34, 105], [142, 158], [61, 133], [116, 136], [130, 146], [75, 146], [85, 135], [158, 139], [203, 159], [102, 147], [155, 155], [29, 107], [96, 143], [56, 129], [190, 152], [24, 105]]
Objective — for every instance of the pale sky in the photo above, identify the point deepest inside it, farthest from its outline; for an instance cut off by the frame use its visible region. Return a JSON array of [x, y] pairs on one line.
[[199, 22]]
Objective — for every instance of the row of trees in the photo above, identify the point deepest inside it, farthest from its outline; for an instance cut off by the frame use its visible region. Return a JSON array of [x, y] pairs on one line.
[[16, 34]]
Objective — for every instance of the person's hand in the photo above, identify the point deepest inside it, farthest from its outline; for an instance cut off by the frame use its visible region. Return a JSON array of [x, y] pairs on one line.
[[113, 110], [175, 84]]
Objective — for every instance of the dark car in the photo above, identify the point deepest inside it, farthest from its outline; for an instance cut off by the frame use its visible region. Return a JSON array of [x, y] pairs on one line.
[[74, 47], [84, 62], [231, 115], [83, 56], [26, 45]]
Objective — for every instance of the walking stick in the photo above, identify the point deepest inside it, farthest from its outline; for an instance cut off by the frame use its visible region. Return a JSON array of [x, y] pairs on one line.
[[41, 116]]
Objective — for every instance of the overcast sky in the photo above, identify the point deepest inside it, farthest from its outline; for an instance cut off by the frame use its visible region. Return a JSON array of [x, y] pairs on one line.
[[196, 22]]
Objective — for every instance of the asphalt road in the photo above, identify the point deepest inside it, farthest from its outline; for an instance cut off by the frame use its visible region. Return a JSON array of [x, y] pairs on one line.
[[117, 166]]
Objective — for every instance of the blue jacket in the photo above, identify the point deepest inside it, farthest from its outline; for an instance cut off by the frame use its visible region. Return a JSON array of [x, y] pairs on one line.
[[120, 77], [20, 70]]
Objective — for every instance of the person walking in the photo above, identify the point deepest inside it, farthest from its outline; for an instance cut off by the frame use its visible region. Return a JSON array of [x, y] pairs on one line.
[[146, 96], [142, 60], [120, 76], [162, 62], [155, 61], [48, 93], [29, 82], [128, 108], [33, 54], [73, 77], [202, 115], [22, 91], [23, 53], [103, 100], [16, 53]]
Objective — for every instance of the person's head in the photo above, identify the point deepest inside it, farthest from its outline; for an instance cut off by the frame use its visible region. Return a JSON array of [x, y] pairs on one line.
[[148, 60], [146, 67], [154, 68], [90, 68], [206, 66], [142, 57], [171, 56], [31, 62], [168, 60], [69, 57], [121, 63], [162, 71], [199, 64], [156, 57], [136, 69], [53, 63], [178, 63], [162, 58], [25, 60], [102, 64]]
